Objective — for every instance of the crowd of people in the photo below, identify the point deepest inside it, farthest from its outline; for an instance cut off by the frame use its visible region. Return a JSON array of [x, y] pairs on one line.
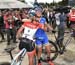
[[38, 22], [10, 21]]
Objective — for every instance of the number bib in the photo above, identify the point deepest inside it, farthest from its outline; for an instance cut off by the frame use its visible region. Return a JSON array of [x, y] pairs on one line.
[[29, 31]]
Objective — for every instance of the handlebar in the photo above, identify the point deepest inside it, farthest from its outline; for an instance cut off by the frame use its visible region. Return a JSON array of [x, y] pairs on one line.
[[64, 31]]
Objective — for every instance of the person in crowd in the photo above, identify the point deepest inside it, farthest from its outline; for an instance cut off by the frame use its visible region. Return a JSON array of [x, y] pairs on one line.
[[1, 27], [41, 34], [17, 19], [45, 14], [71, 16], [27, 32], [52, 19], [57, 19], [10, 28], [61, 27]]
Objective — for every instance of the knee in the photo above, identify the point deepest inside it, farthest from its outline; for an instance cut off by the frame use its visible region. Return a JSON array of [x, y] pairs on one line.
[[39, 49], [31, 54]]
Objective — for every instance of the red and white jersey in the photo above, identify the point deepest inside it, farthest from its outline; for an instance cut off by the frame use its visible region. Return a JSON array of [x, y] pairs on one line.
[[29, 30], [71, 16]]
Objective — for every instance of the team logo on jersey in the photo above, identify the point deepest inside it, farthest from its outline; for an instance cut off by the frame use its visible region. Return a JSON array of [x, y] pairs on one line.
[[28, 30]]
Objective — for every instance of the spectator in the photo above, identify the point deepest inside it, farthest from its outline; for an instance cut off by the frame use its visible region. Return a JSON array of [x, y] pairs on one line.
[[1, 27], [10, 28], [61, 27], [71, 16]]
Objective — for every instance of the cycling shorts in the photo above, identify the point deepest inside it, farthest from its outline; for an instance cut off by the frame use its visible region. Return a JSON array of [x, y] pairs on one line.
[[41, 38], [27, 44]]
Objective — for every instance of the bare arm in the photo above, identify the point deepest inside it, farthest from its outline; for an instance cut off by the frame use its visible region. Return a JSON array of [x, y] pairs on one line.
[[48, 26], [19, 32]]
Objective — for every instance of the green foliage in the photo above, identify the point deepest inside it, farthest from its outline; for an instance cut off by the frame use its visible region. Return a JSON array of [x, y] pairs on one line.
[[61, 3], [22, 0]]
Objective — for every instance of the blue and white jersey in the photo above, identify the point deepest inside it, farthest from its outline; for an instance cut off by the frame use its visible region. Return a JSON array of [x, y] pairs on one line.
[[42, 20], [40, 32]]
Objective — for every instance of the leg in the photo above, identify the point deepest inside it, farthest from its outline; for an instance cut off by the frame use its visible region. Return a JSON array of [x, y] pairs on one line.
[[48, 47], [8, 36], [14, 35], [61, 29], [39, 51], [2, 35], [29, 48], [39, 55], [31, 57]]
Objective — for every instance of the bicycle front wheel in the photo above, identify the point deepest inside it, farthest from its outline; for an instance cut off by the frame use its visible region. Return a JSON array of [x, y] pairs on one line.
[[53, 54]]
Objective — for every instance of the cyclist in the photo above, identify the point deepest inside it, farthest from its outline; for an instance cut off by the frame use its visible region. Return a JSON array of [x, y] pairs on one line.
[[29, 28], [41, 36], [71, 16]]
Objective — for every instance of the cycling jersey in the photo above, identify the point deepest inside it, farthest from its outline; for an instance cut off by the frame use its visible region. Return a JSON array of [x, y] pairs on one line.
[[29, 30], [41, 35], [28, 35], [72, 16]]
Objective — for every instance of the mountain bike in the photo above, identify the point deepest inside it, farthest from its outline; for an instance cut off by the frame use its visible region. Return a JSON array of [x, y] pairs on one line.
[[17, 60], [56, 48]]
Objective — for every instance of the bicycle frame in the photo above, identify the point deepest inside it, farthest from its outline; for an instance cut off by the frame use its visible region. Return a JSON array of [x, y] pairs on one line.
[[19, 57], [61, 50]]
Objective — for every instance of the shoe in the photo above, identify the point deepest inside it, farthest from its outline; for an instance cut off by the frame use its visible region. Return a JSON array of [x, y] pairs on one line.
[[51, 63], [39, 64]]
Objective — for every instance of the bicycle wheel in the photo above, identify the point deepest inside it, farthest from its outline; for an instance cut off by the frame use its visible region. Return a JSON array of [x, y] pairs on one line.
[[54, 52]]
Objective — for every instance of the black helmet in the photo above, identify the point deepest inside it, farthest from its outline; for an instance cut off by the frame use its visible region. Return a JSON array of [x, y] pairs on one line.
[[31, 13]]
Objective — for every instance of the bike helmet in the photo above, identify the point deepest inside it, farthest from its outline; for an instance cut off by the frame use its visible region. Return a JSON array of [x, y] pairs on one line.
[[38, 9], [31, 13]]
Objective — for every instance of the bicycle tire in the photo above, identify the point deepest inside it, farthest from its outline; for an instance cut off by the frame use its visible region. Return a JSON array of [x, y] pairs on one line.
[[55, 51]]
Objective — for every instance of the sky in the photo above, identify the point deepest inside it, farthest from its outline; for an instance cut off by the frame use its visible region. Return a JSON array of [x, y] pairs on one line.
[[44, 1]]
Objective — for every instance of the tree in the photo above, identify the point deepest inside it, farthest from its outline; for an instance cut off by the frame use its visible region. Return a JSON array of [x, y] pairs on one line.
[[65, 2], [22, 0]]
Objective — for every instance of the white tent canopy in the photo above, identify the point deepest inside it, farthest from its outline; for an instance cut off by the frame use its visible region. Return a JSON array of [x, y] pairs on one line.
[[4, 4], [1, 1]]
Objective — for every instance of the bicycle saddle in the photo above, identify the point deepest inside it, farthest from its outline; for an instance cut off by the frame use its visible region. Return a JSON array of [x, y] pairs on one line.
[[9, 49]]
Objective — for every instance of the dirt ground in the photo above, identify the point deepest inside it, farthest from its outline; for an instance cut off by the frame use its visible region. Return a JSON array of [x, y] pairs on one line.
[[68, 58]]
